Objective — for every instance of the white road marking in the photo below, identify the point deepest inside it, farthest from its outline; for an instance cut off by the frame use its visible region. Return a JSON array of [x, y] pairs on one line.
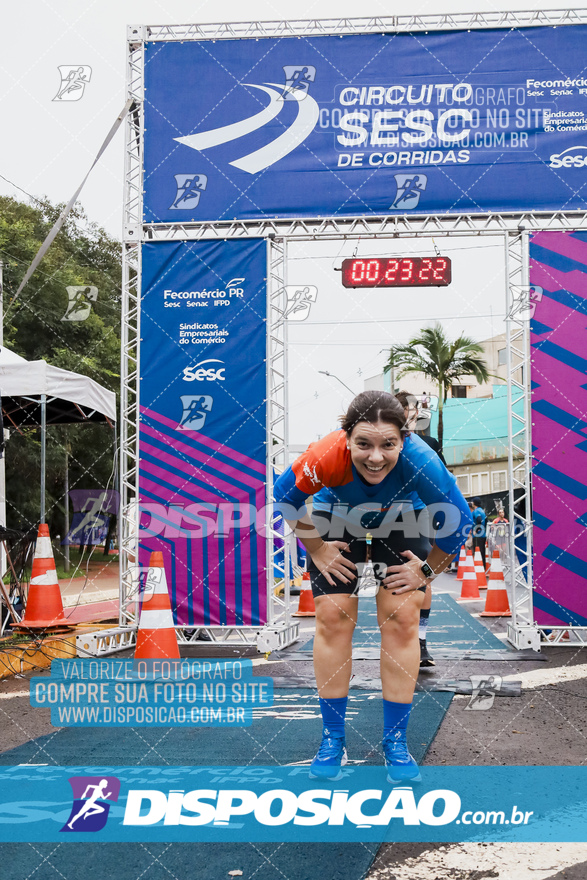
[[513, 861], [536, 678]]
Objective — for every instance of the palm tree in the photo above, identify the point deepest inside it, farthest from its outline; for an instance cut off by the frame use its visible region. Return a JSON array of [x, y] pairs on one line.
[[432, 353]]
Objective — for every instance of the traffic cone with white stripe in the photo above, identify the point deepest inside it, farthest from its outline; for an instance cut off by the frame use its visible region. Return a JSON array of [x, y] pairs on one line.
[[496, 601], [469, 588], [462, 563], [306, 607], [480, 570], [156, 638], [44, 607]]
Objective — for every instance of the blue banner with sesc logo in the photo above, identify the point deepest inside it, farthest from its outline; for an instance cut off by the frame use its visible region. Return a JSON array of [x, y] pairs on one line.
[[445, 122], [202, 474]]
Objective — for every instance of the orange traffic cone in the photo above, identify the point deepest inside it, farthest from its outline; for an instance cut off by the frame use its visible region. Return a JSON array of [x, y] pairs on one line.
[[479, 570], [469, 589], [462, 563], [496, 601], [156, 638], [44, 607], [306, 607]]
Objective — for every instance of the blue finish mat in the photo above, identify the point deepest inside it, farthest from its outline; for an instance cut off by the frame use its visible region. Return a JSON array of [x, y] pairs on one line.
[[450, 626], [286, 733]]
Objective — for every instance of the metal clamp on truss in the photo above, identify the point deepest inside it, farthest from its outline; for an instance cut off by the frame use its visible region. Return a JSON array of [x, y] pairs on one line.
[[136, 33], [105, 642], [274, 638], [524, 637], [132, 232]]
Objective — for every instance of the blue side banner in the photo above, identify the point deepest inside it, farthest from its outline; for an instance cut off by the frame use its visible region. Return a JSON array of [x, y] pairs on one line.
[[451, 122], [238, 804]]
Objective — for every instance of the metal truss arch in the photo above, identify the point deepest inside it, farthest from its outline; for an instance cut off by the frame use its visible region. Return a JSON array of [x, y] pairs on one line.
[[513, 228], [341, 27], [401, 226]]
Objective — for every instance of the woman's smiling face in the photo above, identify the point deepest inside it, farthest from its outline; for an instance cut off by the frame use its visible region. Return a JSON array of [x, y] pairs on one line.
[[375, 448]]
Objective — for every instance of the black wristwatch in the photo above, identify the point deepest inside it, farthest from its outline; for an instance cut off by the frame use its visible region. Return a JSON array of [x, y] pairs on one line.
[[427, 571]]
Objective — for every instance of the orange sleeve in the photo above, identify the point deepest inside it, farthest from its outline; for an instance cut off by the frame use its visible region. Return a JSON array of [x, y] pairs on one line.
[[327, 462]]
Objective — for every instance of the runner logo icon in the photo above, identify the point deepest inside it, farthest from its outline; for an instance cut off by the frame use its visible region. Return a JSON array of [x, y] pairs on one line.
[[298, 78], [524, 301], [290, 137], [195, 411], [74, 78], [189, 189], [90, 802], [484, 689], [79, 302], [409, 189], [299, 301]]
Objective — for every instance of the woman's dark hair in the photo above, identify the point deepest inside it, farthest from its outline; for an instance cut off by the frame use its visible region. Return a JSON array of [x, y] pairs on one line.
[[374, 406], [404, 398]]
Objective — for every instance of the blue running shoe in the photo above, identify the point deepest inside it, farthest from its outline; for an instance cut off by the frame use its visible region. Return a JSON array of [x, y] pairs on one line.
[[330, 758], [401, 767]]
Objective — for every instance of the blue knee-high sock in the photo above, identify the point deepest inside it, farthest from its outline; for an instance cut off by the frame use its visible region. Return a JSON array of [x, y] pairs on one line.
[[395, 717], [333, 712]]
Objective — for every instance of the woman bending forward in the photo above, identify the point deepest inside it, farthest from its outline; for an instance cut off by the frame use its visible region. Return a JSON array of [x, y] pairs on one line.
[[358, 478]]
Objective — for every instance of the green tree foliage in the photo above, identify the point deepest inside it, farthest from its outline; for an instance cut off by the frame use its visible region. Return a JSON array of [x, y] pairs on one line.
[[442, 361], [82, 254]]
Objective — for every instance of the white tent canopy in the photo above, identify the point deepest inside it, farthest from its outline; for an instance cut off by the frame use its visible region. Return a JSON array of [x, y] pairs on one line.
[[35, 393], [20, 378]]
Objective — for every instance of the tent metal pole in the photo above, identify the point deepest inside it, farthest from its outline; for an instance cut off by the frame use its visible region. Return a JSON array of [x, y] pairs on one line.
[[66, 507], [43, 451]]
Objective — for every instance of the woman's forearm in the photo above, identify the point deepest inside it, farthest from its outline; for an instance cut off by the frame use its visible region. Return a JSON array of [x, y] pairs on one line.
[[308, 534], [438, 560]]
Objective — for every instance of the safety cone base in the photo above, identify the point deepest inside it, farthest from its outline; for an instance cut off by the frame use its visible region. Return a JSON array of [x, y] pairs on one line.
[[159, 646]]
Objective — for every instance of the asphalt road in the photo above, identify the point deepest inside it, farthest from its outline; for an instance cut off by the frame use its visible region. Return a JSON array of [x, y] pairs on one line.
[[544, 725]]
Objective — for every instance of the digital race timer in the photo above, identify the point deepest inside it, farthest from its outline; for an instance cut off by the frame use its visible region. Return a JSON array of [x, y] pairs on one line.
[[396, 272]]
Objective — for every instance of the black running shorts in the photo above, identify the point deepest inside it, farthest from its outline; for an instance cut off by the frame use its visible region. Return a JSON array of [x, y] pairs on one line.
[[384, 550]]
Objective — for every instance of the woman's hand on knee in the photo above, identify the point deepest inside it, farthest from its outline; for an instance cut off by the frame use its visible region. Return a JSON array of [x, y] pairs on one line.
[[407, 577], [331, 563]]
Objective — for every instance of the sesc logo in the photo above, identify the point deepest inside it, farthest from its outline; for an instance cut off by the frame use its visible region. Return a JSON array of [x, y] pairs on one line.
[[289, 135], [573, 157], [203, 373]]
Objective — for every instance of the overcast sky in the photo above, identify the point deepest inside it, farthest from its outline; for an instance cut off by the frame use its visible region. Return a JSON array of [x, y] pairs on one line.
[[48, 146]]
